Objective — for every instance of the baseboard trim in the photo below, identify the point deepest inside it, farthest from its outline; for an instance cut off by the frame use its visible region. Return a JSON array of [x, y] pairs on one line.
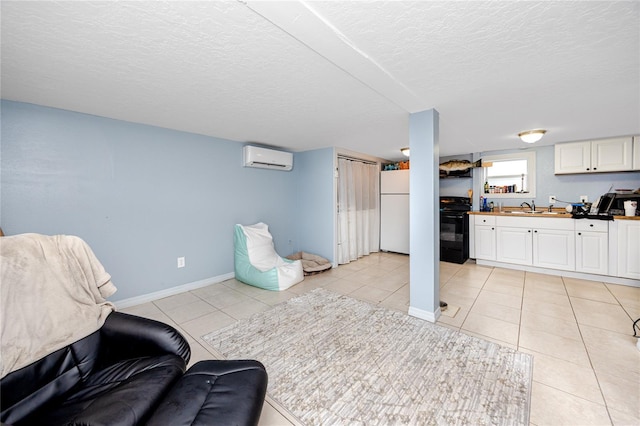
[[425, 315], [150, 297], [570, 274]]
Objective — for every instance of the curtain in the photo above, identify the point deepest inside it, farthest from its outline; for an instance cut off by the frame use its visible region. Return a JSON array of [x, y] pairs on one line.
[[358, 209]]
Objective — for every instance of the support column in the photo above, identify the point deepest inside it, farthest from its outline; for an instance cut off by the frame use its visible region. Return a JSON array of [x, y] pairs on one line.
[[424, 220]]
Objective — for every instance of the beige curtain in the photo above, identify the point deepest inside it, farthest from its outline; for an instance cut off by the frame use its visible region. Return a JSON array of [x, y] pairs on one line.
[[358, 209]]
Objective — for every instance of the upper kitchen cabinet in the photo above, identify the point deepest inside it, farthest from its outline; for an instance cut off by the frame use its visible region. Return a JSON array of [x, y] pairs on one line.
[[604, 155], [636, 153]]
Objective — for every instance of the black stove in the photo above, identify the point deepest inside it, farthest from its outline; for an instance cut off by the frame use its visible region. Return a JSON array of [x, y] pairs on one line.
[[454, 229]]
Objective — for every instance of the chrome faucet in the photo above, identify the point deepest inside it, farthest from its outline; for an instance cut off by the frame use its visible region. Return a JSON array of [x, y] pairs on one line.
[[531, 206]]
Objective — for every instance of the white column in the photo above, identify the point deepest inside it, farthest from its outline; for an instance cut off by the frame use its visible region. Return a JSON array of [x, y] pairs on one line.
[[425, 217]]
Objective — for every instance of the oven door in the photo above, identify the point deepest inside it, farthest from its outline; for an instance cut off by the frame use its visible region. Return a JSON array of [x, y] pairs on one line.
[[454, 237]]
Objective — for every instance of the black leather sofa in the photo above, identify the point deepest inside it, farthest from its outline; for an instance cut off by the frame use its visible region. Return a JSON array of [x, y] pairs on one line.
[[130, 372]]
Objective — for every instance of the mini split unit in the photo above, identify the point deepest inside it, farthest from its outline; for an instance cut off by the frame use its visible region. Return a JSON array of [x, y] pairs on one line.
[[264, 158]]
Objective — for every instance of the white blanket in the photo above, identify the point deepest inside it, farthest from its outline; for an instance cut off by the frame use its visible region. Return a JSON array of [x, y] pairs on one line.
[[53, 291]]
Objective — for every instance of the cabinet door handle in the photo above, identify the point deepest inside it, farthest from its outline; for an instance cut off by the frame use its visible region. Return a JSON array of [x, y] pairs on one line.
[[591, 225], [536, 231], [595, 168], [579, 233], [529, 230]]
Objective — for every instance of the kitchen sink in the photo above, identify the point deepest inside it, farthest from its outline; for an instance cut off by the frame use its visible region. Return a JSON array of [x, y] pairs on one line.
[[523, 211]]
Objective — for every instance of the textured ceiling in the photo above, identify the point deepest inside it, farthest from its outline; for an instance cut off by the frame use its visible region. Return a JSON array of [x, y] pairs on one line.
[[307, 75]]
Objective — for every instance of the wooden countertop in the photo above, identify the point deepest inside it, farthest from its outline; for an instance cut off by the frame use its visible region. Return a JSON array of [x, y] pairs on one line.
[[557, 213]]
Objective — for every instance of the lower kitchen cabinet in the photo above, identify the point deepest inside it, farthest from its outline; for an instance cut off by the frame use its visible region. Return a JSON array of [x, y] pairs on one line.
[[541, 242], [628, 249], [592, 246], [554, 248], [514, 245], [485, 237]]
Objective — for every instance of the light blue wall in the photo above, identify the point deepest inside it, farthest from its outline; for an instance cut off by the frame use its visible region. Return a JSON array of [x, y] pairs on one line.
[[139, 195], [564, 187], [315, 202]]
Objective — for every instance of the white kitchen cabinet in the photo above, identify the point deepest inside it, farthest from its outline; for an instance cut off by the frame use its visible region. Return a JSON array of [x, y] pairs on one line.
[[603, 155], [636, 153], [542, 242], [514, 245], [554, 248], [592, 246], [574, 157], [485, 237], [628, 249]]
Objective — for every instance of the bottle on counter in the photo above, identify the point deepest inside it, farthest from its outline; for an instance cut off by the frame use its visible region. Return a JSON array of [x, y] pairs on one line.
[[486, 187]]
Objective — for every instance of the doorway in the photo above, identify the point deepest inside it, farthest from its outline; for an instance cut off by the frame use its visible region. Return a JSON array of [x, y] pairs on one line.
[[358, 227]]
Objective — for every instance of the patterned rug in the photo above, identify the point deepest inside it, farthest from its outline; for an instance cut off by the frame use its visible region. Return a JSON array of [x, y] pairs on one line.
[[334, 360]]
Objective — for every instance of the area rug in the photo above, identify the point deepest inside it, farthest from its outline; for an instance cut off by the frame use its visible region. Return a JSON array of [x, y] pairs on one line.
[[335, 360]]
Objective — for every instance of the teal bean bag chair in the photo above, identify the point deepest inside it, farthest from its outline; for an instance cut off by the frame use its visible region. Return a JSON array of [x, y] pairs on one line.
[[257, 263]]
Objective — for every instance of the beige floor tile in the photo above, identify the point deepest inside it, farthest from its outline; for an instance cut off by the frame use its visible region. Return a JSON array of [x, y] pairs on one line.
[[552, 281], [578, 380], [556, 346], [602, 315], [172, 302], [494, 310], [305, 286], [227, 298], [508, 300], [389, 282], [343, 286], [620, 418], [553, 407], [245, 309], [456, 321], [590, 290], [462, 279], [206, 324], [491, 327], [370, 294], [622, 394], [503, 287], [612, 353], [184, 313], [453, 298], [246, 289], [557, 326], [210, 290], [629, 298], [542, 295], [548, 309], [462, 290], [146, 310]]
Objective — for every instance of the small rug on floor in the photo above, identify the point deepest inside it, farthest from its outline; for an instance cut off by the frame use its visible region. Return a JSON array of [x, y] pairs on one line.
[[335, 360]]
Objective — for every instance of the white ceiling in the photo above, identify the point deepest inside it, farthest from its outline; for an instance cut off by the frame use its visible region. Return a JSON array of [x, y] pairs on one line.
[[308, 75]]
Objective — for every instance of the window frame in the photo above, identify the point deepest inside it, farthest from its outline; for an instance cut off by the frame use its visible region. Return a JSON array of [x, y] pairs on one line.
[[529, 156]]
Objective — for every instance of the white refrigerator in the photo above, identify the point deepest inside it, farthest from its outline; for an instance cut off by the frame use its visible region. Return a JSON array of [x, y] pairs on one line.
[[394, 211]]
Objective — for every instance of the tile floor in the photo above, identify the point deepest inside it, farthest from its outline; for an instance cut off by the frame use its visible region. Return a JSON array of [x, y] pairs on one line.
[[586, 365]]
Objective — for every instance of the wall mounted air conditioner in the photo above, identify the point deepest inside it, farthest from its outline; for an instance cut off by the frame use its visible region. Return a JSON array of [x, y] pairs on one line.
[[265, 158]]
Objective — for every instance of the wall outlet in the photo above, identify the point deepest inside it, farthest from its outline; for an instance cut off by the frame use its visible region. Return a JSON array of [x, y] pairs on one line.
[[584, 199], [552, 199], [181, 262]]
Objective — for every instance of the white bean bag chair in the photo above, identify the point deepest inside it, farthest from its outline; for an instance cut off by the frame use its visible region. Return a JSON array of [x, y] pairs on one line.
[[258, 264]]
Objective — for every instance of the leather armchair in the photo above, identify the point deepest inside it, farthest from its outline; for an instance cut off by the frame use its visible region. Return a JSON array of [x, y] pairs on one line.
[[125, 372]]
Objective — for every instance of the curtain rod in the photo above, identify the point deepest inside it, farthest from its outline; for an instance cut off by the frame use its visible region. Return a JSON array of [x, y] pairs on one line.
[[346, 157]]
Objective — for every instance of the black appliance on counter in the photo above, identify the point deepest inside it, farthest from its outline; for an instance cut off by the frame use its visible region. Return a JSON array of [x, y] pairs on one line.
[[454, 229], [613, 203]]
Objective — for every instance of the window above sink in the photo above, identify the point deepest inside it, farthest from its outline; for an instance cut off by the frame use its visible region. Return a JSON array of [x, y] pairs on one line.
[[508, 172]]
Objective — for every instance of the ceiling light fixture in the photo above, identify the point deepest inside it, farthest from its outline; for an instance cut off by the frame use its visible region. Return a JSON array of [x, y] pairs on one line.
[[531, 136], [405, 151]]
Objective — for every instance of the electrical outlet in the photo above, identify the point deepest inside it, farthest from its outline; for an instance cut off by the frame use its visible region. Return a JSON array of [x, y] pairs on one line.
[[584, 199], [552, 199], [181, 262]]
